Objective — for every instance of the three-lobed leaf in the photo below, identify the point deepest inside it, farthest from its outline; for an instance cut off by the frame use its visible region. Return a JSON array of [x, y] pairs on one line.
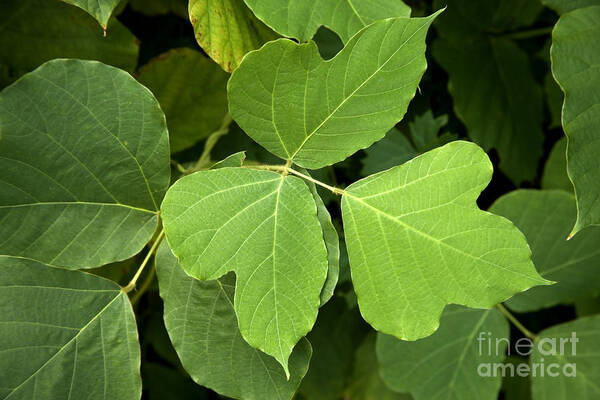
[[203, 327], [264, 227], [84, 164], [315, 112], [575, 59], [65, 335], [417, 241], [300, 19], [546, 218]]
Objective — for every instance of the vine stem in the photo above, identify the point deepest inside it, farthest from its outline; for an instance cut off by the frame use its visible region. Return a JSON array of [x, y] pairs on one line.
[[212, 140], [286, 169], [529, 34], [131, 285], [145, 285], [516, 322]]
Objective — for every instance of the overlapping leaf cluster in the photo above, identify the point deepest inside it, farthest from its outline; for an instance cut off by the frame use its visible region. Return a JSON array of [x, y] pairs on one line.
[[262, 300]]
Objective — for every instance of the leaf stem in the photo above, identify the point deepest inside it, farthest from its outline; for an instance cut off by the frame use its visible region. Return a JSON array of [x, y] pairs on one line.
[[286, 169], [516, 322], [529, 33], [145, 285], [211, 141], [131, 285]]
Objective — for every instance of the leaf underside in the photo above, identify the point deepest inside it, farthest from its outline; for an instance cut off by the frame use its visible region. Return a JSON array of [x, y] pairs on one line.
[[83, 165], [315, 112], [65, 335], [417, 241], [99, 9], [264, 227]]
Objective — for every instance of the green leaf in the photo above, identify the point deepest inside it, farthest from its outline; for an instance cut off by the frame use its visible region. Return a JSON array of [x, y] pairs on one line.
[[264, 227], [546, 217], [336, 335], [84, 164], [332, 243], [564, 6], [582, 375], [99, 9], [417, 241], [495, 94], [227, 30], [57, 30], [452, 355], [163, 383], [301, 19], [575, 60], [191, 90], [366, 384], [65, 335], [315, 112], [554, 99], [555, 171], [202, 325], [515, 387]]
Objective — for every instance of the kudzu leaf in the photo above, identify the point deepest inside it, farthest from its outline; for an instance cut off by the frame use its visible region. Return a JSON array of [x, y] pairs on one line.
[[99, 9], [575, 60], [57, 30], [84, 164], [564, 6], [203, 327], [164, 383], [337, 333], [300, 19], [65, 335], [495, 94], [515, 387], [452, 355], [555, 171], [554, 99], [227, 30], [315, 112], [546, 217], [417, 241], [191, 91], [574, 365], [332, 242], [366, 383], [264, 227]]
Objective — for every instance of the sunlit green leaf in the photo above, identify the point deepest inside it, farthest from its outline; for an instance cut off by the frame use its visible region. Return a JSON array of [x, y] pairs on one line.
[[65, 335], [300, 19], [264, 227], [575, 60], [546, 217], [226, 30], [448, 360], [83, 165], [417, 241], [191, 90], [202, 325], [317, 112]]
